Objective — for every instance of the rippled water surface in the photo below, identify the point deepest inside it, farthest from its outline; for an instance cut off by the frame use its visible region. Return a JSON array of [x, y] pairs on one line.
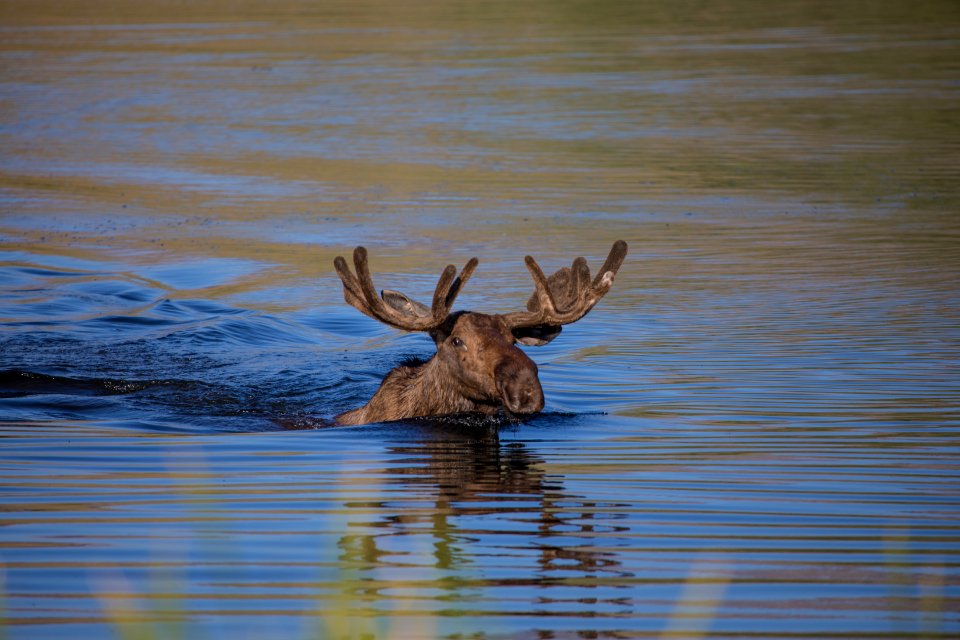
[[755, 434]]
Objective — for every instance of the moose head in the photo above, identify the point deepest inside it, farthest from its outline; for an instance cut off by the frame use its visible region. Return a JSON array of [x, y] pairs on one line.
[[478, 366]]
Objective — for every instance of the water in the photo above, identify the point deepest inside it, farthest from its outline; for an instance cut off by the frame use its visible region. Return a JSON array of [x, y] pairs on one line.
[[754, 434]]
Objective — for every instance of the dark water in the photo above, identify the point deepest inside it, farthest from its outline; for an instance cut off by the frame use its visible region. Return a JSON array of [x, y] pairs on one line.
[[754, 435]]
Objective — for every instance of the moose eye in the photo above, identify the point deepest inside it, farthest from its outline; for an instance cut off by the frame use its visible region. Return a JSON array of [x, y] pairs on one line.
[[457, 342]]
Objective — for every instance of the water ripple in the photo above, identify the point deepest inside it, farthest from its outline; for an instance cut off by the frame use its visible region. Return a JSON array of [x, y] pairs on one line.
[[755, 434]]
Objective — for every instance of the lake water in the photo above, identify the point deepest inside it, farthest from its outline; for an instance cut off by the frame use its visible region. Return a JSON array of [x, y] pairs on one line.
[[755, 434]]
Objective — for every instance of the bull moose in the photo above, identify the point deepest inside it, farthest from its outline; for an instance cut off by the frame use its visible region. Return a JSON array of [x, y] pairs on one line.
[[477, 366]]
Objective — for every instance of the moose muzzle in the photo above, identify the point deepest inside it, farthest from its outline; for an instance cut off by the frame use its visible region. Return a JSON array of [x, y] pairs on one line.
[[519, 385]]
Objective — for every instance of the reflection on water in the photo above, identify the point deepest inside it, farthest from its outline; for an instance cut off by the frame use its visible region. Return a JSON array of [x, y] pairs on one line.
[[461, 501], [755, 433], [426, 530]]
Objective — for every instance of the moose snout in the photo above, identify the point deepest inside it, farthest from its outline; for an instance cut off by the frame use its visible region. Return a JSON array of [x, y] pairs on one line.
[[519, 385]]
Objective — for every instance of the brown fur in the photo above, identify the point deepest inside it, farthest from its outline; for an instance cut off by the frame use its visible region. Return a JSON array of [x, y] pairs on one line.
[[477, 366], [457, 379]]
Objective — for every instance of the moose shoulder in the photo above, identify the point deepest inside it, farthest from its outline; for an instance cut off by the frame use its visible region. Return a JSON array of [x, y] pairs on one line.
[[477, 366]]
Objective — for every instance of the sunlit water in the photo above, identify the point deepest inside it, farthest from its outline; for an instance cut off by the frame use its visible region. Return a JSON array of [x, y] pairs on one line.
[[754, 435]]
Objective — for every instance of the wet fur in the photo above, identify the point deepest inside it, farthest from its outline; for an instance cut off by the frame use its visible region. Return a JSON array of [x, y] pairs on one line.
[[477, 367], [415, 388]]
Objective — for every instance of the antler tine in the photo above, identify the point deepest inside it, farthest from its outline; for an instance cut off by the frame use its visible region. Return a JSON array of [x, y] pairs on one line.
[[618, 252], [363, 274], [378, 310], [459, 283], [439, 305], [581, 283], [353, 292], [545, 301], [350, 283]]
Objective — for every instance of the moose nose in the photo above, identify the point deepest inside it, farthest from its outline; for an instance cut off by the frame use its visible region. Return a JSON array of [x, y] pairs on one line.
[[519, 386]]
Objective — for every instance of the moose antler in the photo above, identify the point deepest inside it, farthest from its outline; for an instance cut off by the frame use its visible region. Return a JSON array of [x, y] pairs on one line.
[[565, 297], [394, 308]]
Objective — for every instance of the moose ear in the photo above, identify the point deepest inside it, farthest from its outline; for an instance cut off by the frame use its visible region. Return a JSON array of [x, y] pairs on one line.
[[405, 305], [536, 336]]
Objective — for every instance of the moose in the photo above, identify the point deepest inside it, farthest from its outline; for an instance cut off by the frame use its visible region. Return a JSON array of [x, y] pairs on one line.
[[477, 367]]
